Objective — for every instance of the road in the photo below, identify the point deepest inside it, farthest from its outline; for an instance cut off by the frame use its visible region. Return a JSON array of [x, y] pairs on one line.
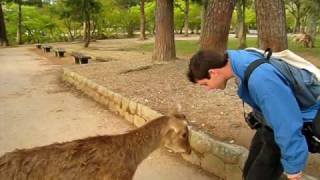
[[37, 108]]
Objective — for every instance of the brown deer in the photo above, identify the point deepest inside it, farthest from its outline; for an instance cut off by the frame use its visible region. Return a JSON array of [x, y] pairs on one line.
[[108, 157], [304, 39]]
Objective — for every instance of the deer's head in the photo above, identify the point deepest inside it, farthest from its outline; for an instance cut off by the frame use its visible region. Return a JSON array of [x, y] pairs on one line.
[[177, 134]]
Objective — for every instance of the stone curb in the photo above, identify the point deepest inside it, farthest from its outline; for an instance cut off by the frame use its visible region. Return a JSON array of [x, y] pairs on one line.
[[224, 160]]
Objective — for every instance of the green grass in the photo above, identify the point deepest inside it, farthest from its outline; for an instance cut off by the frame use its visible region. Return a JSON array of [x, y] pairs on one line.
[[188, 47]]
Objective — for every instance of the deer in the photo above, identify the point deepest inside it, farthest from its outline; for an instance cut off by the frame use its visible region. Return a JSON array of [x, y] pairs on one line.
[[304, 39], [105, 157]]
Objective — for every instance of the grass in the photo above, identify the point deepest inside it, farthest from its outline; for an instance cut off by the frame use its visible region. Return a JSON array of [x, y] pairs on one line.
[[188, 47]]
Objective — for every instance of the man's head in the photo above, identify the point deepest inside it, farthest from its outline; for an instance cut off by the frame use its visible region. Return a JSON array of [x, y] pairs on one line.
[[210, 69]]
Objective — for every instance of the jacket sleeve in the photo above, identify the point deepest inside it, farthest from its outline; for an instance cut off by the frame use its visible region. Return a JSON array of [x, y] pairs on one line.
[[270, 91]]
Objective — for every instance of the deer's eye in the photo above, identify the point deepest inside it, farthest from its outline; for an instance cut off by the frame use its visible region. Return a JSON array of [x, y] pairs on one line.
[[184, 135]]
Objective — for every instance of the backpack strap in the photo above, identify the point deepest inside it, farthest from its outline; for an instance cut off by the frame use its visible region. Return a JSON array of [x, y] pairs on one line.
[[252, 66]]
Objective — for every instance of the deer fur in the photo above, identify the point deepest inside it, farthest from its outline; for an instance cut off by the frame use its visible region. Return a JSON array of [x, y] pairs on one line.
[[108, 157], [304, 39]]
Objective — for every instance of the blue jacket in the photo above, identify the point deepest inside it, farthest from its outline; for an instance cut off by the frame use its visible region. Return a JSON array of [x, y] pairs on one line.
[[270, 93]]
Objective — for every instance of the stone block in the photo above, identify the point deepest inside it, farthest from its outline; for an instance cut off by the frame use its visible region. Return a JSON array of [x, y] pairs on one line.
[[214, 165], [133, 107], [243, 159], [138, 121], [204, 143], [199, 141], [125, 104], [112, 106], [129, 117], [117, 98], [193, 158], [233, 172], [104, 101], [148, 114], [101, 89]]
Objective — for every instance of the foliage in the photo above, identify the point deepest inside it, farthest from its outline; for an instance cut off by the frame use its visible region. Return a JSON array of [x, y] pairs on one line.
[[60, 20], [38, 29], [150, 9]]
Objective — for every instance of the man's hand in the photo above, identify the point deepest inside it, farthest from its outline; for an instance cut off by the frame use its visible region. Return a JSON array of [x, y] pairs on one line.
[[297, 176]]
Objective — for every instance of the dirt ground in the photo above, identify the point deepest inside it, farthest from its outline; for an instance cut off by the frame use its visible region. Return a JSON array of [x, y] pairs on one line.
[[163, 86], [37, 108]]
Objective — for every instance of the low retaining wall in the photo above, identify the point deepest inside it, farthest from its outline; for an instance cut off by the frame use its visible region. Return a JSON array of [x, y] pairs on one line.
[[224, 160]]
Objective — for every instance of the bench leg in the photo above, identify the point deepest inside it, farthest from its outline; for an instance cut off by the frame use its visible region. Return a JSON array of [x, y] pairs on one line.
[[76, 60], [61, 54], [84, 61]]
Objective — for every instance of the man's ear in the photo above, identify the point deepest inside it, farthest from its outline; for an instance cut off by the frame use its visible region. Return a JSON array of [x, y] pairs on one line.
[[212, 72]]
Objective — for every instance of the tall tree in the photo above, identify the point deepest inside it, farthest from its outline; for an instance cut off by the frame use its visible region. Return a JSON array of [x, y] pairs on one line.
[[314, 6], [271, 24], [3, 33], [164, 48], [299, 11], [19, 23], [83, 10], [203, 12], [242, 29], [186, 18], [217, 24], [142, 21]]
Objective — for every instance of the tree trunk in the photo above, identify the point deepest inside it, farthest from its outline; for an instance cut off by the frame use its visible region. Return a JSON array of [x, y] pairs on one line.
[[142, 21], [216, 27], [186, 18], [68, 25], [3, 33], [19, 33], [88, 29], [242, 33], [84, 31], [130, 29], [312, 29], [271, 24], [298, 18], [203, 13], [164, 49]]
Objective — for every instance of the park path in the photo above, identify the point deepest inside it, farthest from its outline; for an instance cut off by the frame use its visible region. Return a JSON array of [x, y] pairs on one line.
[[36, 109]]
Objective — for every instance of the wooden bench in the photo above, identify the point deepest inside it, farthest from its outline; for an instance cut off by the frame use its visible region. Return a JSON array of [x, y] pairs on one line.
[[46, 48], [80, 58], [59, 52], [38, 46]]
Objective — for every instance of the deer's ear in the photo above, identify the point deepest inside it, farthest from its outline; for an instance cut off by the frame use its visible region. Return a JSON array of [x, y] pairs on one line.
[[177, 109]]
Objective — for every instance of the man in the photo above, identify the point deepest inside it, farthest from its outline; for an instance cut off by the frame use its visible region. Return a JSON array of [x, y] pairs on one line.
[[279, 144]]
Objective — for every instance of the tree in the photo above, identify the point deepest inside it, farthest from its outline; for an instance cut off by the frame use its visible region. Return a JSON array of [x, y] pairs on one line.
[[186, 18], [127, 5], [19, 24], [142, 21], [203, 12], [217, 24], [3, 33], [84, 10], [164, 48], [271, 24], [299, 10], [195, 18], [314, 7], [242, 29]]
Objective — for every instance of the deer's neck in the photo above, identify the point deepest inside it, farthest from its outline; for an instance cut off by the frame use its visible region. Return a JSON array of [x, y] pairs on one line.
[[146, 139]]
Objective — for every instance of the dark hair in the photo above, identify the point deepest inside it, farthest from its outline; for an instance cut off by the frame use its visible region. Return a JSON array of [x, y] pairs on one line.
[[202, 61]]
